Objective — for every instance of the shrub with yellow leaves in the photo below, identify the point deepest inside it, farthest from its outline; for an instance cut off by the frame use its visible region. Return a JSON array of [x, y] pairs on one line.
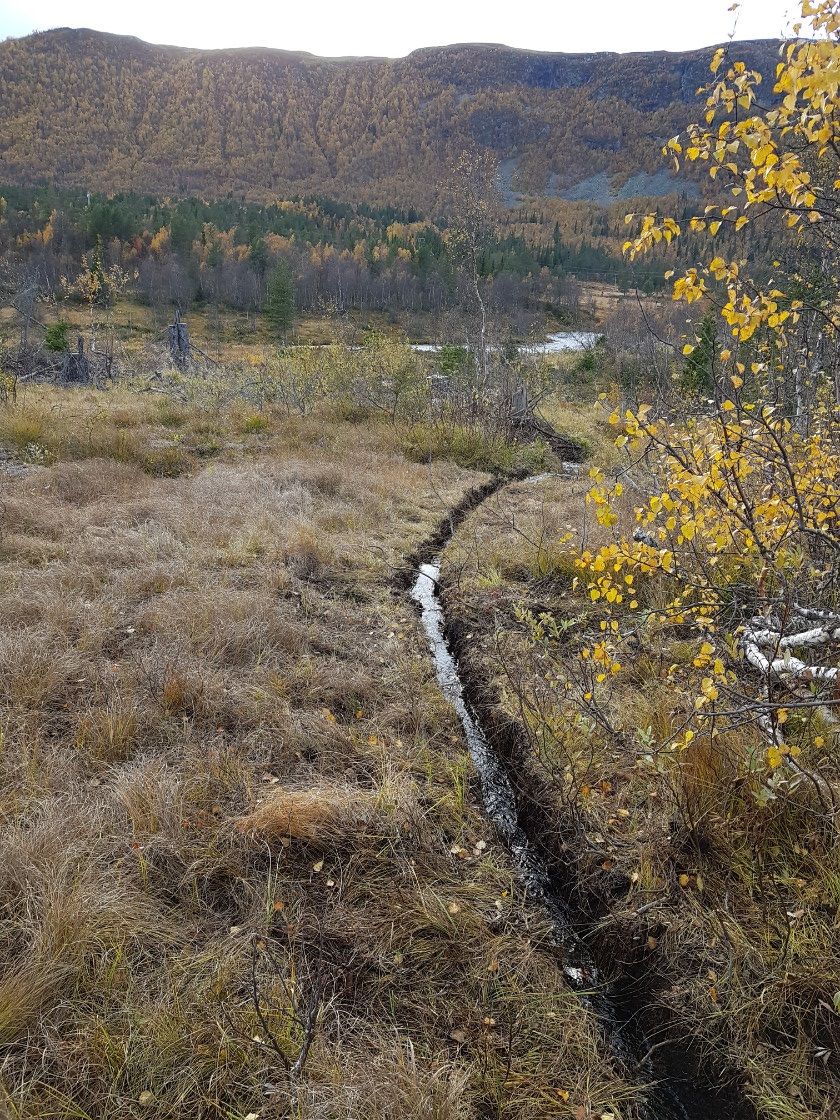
[[778, 164], [738, 532]]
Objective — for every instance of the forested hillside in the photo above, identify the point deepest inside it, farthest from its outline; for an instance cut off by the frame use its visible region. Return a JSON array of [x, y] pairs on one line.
[[82, 108]]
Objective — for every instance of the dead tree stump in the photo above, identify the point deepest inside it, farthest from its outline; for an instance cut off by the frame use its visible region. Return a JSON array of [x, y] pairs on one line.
[[179, 341], [76, 367], [525, 422], [520, 405]]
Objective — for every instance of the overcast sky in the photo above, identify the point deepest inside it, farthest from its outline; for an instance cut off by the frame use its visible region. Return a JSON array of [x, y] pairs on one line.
[[391, 27]]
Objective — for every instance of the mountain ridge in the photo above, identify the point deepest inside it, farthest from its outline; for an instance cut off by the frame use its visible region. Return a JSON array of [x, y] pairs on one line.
[[442, 48], [84, 108]]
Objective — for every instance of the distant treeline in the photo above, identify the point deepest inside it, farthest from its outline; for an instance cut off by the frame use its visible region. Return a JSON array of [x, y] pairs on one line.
[[340, 256]]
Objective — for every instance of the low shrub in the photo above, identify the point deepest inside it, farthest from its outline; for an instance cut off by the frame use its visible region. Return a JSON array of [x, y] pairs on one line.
[[475, 449]]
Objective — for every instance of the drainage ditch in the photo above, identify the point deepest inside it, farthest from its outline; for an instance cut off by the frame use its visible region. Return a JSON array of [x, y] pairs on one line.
[[635, 1029]]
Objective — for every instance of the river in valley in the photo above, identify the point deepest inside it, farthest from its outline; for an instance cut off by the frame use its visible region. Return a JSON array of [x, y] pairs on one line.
[[554, 344]]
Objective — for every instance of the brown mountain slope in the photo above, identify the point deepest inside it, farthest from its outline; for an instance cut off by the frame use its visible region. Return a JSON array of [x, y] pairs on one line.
[[83, 108]]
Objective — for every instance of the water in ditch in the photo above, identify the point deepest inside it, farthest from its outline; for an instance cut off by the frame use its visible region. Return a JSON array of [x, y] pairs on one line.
[[668, 1097]]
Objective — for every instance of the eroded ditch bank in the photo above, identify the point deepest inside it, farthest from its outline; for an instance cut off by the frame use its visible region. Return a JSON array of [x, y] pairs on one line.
[[681, 1083]]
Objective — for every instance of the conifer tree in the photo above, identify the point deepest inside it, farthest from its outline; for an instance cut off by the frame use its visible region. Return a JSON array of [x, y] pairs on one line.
[[280, 300]]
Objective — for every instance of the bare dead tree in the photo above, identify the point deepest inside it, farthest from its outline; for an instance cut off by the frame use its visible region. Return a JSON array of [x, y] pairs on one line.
[[473, 203]]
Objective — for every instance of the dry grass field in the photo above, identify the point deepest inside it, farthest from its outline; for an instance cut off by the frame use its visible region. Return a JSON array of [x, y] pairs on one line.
[[243, 867]]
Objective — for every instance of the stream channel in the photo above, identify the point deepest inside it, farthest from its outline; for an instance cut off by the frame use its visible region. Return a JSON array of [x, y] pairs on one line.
[[676, 1087]]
